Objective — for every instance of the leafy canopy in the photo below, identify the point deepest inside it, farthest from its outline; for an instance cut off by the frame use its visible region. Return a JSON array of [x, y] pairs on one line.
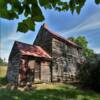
[[12, 9], [81, 40]]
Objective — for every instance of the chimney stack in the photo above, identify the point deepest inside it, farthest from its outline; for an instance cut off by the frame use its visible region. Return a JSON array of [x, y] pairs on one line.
[[45, 25]]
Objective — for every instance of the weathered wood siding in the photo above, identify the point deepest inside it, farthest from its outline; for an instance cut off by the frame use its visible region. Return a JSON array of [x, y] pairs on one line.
[[64, 57], [44, 40], [41, 71], [45, 71]]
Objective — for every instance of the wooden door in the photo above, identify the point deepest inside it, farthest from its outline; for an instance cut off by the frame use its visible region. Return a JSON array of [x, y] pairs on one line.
[[22, 71], [37, 71]]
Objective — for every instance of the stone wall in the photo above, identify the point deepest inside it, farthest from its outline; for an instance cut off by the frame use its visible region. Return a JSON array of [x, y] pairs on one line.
[[64, 61], [13, 69]]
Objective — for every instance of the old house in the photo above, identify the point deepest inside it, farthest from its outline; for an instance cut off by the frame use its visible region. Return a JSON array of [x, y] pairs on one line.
[[50, 58]]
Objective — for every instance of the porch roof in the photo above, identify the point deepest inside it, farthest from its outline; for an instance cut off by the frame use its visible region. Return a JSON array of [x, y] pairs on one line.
[[32, 50]]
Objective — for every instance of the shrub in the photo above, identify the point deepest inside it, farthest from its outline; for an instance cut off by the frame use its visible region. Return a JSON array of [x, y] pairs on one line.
[[89, 75], [3, 80]]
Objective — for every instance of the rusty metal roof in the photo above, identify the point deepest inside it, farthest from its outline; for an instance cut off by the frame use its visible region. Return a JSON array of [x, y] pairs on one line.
[[60, 38], [32, 50]]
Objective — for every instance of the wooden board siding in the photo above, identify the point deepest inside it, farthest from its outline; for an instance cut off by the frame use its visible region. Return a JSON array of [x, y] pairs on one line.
[[41, 71], [32, 73], [37, 71], [31, 64], [22, 70], [45, 72], [44, 40]]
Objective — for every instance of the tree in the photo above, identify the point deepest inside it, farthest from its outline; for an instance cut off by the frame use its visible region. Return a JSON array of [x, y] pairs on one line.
[[2, 62], [81, 40], [31, 9]]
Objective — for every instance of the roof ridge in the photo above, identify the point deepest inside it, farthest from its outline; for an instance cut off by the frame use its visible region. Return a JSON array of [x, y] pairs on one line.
[[45, 26], [23, 43]]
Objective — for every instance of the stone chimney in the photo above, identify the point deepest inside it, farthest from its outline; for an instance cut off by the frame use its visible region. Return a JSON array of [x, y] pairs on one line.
[[45, 26]]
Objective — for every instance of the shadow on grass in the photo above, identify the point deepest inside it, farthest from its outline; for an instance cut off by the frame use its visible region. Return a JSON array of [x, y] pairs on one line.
[[3, 80], [66, 92]]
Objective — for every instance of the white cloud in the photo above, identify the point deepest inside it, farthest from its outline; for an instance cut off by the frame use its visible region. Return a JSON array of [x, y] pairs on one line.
[[14, 36], [96, 50], [6, 43], [92, 22], [4, 54], [1, 45]]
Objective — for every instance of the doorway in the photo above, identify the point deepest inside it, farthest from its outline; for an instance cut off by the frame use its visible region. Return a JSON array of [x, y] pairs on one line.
[[37, 71]]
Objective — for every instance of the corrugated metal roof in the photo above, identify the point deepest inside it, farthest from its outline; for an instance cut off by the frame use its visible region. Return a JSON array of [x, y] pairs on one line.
[[32, 50]]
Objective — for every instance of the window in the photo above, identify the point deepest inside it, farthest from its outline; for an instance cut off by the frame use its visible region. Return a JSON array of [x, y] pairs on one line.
[[69, 49], [66, 47], [65, 68], [56, 68], [69, 59]]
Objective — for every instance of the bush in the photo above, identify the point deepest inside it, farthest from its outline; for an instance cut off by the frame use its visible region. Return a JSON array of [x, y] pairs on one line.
[[3, 80], [89, 75]]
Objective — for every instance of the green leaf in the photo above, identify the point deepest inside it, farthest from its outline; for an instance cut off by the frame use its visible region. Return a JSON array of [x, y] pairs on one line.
[[3, 4], [8, 14], [30, 23], [82, 2], [78, 9], [26, 25], [72, 6], [16, 6], [65, 7], [97, 1], [22, 27], [37, 13], [58, 9], [27, 10], [43, 2], [5, 13]]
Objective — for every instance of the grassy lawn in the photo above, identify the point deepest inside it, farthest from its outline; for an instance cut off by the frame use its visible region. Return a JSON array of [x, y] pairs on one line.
[[3, 70], [49, 92], [56, 91]]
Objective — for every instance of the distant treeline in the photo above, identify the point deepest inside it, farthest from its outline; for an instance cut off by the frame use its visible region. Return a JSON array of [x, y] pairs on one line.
[[3, 62]]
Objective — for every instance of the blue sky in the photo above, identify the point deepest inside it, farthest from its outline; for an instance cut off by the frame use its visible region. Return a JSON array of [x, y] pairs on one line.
[[86, 24]]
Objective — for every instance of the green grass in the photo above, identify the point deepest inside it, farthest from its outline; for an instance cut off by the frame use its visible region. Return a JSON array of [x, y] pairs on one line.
[[45, 91], [49, 92], [3, 70]]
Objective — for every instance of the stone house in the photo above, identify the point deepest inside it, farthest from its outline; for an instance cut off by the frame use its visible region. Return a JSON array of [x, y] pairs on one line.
[[51, 58]]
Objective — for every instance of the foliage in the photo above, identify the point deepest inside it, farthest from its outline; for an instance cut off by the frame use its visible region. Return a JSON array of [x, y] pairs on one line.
[[31, 9], [58, 92], [81, 40], [2, 62], [89, 75], [3, 80]]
